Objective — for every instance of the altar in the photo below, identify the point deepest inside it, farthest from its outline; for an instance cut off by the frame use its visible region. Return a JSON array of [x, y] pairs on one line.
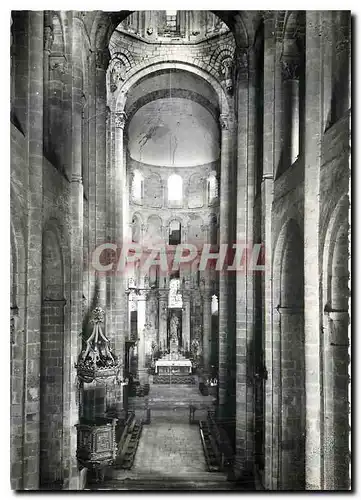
[[173, 363]]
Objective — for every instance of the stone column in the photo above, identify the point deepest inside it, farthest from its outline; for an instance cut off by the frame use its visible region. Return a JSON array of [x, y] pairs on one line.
[[34, 252], [272, 126], [162, 322], [48, 41], [291, 110], [312, 272], [184, 235], [143, 232], [336, 408], [227, 127], [207, 328], [119, 279], [127, 315], [246, 137], [186, 321], [76, 237], [100, 154], [141, 306]]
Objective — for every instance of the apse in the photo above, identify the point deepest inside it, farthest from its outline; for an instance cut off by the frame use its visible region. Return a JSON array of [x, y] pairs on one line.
[[174, 132]]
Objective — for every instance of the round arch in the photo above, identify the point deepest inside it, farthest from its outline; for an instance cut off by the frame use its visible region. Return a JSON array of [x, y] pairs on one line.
[[337, 217], [146, 69], [335, 348], [287, 410]]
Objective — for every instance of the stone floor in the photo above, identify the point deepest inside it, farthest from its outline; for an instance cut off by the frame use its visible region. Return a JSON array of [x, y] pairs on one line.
[[169, 456], [170, 450], [170, 453]]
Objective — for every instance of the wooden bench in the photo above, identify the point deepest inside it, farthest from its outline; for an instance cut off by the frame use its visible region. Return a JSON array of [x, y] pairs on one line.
[[212, 456], [221, 440], [128, 427]]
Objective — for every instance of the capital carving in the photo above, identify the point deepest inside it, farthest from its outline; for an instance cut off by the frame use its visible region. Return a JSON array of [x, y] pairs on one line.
[[226, 73], [120, 119], [108, 116], [242, 59], [207, 295], [290, 70], [269, 15], [224, 121], [58, 64], [48, 38], [117, 74], [102, 58], [76, 178], [163, 295], [84, 101], [80, 14]]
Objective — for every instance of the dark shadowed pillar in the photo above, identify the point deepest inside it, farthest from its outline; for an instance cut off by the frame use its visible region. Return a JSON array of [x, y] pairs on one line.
[[77, 264], [227, 131], [162, 322], [246, 131], [272, 126], [119, 282], [207, 328], [34, 255]]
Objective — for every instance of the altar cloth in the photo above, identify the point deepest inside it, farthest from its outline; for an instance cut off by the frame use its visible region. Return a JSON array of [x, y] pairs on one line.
[[173, 362]]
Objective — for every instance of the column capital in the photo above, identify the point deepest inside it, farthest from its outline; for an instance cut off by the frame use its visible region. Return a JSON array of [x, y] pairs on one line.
[[290, 69], [120, 118], [226, 73], [241, 57], [58, 63], [84, 101], [48, 38], [80, 14], [102, 58], [76, 178], [269, 15], [163, 295], [226, 121], [144, 293], [207, 295]]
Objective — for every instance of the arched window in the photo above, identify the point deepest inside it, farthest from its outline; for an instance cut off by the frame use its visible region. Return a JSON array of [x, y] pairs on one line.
[[174, 233], [137, 186], [171, 21], [212, 188], [214, 304], [175, 188]]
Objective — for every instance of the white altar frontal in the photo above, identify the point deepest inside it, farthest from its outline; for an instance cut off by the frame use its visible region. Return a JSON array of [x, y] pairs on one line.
[[173, 363]]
